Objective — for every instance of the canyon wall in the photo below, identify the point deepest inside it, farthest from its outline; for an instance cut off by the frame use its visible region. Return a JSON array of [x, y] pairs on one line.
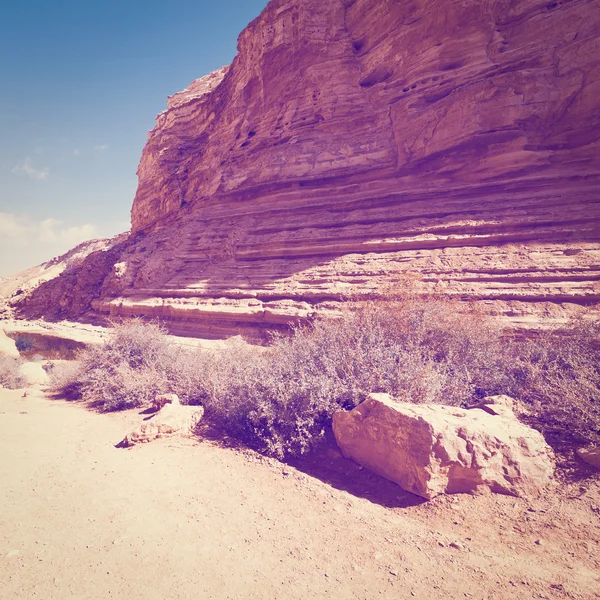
[[353, 142]]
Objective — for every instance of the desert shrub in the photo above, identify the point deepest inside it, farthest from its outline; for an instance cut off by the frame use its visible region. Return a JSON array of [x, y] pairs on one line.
[[556, 373], [9, 373], [418, 350], [136, 363], [281, 400]]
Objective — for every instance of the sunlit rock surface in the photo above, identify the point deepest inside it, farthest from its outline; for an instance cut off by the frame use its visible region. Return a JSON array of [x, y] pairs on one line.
[[351, 142]]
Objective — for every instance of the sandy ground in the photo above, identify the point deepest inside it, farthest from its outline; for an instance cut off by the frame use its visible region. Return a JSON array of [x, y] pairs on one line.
[[189, 518]]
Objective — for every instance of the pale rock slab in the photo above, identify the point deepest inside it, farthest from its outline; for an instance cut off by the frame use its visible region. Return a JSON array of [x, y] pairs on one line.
[[430, 450], [590, 455], [8, 347], [33, 374], [172, 419]]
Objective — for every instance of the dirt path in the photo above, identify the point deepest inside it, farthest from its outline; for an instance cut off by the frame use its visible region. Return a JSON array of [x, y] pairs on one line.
[[80, 519]]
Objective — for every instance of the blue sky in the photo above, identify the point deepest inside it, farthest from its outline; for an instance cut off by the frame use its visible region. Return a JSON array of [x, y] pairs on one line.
[[81, 84]]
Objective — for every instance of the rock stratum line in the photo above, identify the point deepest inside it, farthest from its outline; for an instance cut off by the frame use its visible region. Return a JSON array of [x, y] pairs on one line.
[[351, 142]]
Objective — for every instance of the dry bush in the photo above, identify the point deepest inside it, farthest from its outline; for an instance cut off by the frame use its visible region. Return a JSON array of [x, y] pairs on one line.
[[557, 374], [280, 400], [9, 373], [136, 363]]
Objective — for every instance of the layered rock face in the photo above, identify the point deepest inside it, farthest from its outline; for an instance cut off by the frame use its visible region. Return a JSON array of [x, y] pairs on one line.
[[353, 141]]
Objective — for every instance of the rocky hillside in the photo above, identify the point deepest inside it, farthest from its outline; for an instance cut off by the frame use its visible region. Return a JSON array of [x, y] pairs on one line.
[[353, 141], [16, 289]]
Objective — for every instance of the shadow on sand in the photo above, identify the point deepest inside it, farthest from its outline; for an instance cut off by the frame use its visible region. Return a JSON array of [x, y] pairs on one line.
[[327, 464]]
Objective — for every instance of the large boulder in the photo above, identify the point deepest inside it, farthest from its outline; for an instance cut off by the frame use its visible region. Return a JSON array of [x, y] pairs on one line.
[[172, 419], [431, 449], [8, 346], [32, 374]]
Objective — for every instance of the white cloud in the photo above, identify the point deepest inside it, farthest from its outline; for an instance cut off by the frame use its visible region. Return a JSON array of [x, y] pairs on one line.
[[76, 152], [25, 242], [11, 226], [26, 167], [101, 148]]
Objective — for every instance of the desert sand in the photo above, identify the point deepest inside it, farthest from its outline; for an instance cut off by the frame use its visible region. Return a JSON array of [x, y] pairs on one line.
[[194, 518]]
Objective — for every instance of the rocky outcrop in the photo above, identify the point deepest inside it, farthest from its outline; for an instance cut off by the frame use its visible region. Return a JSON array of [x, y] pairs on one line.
[[69, 294], [15, 289], [353, 141], [430, 450], [173, 418]]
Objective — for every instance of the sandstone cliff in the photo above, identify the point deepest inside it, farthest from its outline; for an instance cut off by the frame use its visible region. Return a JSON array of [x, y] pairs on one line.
[[352, 141]]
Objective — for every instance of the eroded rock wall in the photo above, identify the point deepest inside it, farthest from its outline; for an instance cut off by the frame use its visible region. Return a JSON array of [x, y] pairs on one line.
[[353, 141]]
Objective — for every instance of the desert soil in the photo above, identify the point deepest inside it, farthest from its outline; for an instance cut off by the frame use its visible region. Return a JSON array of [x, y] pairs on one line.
[[192, 518]]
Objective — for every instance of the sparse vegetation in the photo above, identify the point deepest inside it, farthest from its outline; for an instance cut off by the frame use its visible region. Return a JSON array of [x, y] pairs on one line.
[[129, 370], [556, 374], [281, 399], [9, 373]]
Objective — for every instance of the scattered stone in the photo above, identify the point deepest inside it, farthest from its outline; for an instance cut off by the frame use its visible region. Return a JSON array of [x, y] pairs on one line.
[[162, 399], [33, 374], [172, 419], [590, 455], [501, 406], [430, 450]]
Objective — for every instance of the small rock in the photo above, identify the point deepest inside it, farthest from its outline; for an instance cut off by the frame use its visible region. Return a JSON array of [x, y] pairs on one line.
[[172, 419], [456, 545], [590, 455], [33, 374], [163, 399], [540, 542]]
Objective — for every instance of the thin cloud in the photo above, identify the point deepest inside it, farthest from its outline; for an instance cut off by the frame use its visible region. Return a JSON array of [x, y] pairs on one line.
[[27, 169], [25, 242], [11, 226], [47, 231], [101, 148]]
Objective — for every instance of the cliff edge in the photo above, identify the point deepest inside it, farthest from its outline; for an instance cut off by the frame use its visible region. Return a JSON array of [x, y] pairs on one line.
[[353, 141]]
